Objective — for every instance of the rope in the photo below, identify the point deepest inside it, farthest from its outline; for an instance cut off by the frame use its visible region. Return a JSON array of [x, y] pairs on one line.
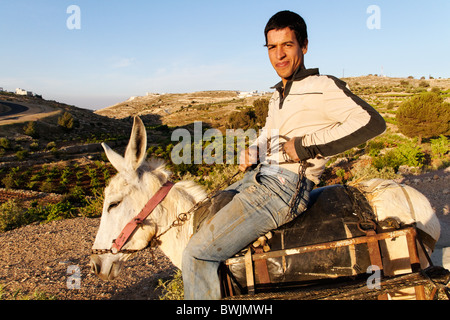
[[185, 216]]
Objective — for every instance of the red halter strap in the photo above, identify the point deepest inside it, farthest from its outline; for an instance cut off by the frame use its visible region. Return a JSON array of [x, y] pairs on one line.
[[128, 230]]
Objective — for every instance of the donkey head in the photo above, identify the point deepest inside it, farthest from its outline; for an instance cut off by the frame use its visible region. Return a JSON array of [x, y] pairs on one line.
[[126, 194]]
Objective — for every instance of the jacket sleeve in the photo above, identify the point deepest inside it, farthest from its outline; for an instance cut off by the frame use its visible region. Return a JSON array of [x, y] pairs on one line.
[[353, 122]]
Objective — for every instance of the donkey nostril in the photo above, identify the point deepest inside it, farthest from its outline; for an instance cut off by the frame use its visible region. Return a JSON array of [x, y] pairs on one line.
[[95, 267]]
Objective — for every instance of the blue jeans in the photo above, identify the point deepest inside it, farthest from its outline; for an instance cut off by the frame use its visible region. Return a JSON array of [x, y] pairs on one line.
[[261, 205]]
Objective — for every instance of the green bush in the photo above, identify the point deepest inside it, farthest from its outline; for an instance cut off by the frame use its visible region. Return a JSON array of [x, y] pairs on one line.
[[440, 146], [58, 211], [408, 154], [424, 116], [13, 179], [21, 154], [251, 117], [362, 172], [30, 129], [5, 143], [374, 147], [66, 121], [12, 215], [94, 205], [51, 145], [173, 289]]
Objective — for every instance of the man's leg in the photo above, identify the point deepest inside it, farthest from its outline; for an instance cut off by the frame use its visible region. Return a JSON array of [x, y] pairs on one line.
[[254, 211]]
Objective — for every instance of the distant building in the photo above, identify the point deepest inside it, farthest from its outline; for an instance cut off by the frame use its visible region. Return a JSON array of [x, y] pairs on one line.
[[22, 92], [1, 89], [246, 94]]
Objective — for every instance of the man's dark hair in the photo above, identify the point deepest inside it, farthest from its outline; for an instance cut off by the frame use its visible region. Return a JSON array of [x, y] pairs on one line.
[[288, 19]]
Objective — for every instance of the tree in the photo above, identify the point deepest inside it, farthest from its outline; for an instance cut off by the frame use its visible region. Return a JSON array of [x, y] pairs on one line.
[[251, 117], [424, 116], [66, 121], [261, 109]]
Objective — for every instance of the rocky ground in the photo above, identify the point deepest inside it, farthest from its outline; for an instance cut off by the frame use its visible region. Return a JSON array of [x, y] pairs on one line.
[[35, 259]]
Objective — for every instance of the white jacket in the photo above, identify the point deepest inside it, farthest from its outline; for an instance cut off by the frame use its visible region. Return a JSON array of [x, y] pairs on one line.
[[325, 113]]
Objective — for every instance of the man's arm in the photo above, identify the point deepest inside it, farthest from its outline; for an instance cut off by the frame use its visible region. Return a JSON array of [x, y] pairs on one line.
[[248, 158], [356, 123]]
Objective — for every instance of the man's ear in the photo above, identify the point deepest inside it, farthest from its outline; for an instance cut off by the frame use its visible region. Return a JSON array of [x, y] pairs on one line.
[[305, 46]]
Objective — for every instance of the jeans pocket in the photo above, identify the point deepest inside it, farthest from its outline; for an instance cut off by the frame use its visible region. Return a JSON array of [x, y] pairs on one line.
[[256, 196]]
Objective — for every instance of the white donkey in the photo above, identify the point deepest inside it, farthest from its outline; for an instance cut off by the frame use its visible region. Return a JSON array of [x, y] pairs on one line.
[[127, 193], [138, 180]]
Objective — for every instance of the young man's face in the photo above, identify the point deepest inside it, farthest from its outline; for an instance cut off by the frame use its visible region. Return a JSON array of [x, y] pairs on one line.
[[285, 53]]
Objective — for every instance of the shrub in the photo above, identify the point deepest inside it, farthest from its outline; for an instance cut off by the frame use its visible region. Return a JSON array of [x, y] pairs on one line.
[[12, 215], [362, 171], [374, 147], [5, 143], [94, 206], [30, 129], [21, 154], [34, 145], [58, 211], [51, 145], [47, 187], [424, 84], [252, 117], [13, 179], [66, 121], [173, 288], [424, 116], [440, 146], [406, 154]]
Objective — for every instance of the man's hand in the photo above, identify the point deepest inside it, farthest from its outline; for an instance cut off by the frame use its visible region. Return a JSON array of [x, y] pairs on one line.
[[247, 158], [289, 148]]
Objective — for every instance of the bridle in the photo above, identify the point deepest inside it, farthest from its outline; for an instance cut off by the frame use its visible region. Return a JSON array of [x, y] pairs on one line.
[[137, 221], [180, 220]]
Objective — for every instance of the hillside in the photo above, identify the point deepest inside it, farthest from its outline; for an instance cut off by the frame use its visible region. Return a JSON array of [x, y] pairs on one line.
[[46, 113], [210, 107]]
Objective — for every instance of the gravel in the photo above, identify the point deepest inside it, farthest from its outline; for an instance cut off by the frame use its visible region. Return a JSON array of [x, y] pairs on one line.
[[36, 259]]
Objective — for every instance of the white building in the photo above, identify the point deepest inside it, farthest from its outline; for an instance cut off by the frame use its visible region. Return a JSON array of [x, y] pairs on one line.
[[246, 94], [22, 92]]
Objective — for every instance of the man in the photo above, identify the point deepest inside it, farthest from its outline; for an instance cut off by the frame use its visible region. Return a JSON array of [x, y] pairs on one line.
[[318, 117]]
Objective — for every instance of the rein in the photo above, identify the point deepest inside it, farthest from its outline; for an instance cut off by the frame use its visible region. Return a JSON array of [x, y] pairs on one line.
[[137, 221]]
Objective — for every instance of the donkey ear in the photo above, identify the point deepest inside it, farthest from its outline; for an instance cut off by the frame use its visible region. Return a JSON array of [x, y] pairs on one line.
[[117, 161], [137, 146]]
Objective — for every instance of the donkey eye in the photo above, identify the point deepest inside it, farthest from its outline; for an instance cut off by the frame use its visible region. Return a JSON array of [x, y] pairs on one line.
[[112, 205]]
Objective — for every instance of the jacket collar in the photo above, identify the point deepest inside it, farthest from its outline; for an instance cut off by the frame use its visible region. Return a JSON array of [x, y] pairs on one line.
[[298, 75]]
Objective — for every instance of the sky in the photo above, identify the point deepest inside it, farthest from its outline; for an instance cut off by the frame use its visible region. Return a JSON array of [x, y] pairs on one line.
[[106, 51]]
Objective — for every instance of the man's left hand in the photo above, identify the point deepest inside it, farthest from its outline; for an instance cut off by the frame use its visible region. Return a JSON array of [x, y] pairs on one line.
[[289, 148]]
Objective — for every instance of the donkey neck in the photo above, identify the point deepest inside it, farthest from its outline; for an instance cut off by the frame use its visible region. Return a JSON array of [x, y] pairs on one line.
[[174, 241]]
